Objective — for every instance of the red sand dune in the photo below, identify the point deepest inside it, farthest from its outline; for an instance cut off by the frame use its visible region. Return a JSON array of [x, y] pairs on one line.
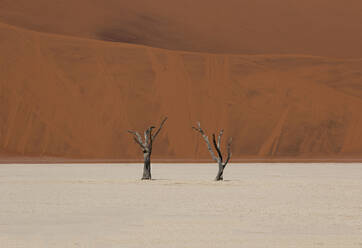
[[329, 28], [66, 95]]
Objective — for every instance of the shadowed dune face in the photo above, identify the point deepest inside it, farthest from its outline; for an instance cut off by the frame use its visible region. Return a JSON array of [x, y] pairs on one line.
[[76, 98], [329, 28]]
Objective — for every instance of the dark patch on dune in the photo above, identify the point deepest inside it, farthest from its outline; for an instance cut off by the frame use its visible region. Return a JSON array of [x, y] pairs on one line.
[[143, 30], [118, 35]]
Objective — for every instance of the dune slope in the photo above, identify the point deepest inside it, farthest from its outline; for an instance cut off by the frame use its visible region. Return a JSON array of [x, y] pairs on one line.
[[73, 98]]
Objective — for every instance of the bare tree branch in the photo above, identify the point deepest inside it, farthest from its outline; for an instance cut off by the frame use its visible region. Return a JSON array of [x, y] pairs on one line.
[[145, 134], [136, 140], [199, 129], [159, 129], [229, 152], [219, 138], [209, 147], [217, 146], [146, 146], [219, 159], [148, 135], [137, 137]]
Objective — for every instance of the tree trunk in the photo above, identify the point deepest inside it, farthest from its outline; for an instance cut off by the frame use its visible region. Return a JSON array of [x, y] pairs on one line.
[[219, 176], [147, 166]]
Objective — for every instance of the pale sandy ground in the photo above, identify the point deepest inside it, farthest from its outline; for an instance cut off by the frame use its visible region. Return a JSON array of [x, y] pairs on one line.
[[105, 206]]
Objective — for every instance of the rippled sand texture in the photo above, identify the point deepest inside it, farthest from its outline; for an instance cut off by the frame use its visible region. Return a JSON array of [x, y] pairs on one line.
[[283, 78], [73, 98], [260, 205]]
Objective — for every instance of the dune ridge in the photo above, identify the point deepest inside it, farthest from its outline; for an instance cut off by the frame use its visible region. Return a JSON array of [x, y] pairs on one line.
[[317, 27]]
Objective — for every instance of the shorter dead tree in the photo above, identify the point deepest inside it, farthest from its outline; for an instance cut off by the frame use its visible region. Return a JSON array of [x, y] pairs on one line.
[[146, 146], [219, 158]]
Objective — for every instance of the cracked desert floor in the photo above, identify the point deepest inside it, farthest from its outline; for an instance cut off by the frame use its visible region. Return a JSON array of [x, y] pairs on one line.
[[106, 205]]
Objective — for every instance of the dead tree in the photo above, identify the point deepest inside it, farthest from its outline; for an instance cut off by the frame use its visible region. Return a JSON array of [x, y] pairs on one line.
[[219, 157], [146, 146]]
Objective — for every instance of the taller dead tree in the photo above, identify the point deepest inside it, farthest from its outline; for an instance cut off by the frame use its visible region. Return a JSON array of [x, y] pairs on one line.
[[146, 146], [219, 157]]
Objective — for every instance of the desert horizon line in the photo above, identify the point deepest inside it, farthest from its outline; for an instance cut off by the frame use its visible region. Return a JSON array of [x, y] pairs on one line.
[[56, 160]]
